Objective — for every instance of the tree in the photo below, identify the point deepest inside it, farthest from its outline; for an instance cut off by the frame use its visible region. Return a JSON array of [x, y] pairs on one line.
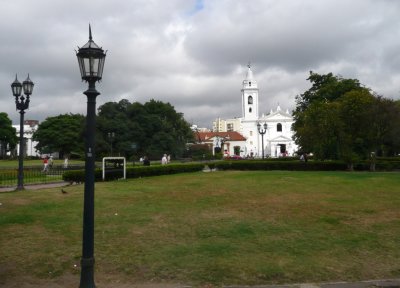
[[316, 130], [199, 151], [385, 129], [338, 118], [63, 134], [326, 88], [354, 138], [316, 118], [113, 129], [8, 135], [153, 128]]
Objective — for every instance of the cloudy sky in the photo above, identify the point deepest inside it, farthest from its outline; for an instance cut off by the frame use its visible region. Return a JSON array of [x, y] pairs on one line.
[[193, 53]]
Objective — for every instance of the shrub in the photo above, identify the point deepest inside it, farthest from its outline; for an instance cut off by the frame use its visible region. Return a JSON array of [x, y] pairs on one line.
[[135, 172], [78, 176], [281, 165], [211, 165], [295, 165]]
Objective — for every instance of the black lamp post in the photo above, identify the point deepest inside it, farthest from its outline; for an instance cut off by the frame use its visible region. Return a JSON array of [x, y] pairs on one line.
[[22, 103], [111, 136], [91, 62], [262, 133]]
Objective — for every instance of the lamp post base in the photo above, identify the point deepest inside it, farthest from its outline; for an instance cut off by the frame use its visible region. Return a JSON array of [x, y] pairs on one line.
[[87, 273]]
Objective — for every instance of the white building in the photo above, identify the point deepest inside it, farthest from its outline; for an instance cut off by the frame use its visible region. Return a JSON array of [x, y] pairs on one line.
[[30, 126], [278, 135], [227, 142]]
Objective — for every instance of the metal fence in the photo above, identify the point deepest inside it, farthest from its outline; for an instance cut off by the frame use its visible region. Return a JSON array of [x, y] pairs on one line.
[[35, 174]]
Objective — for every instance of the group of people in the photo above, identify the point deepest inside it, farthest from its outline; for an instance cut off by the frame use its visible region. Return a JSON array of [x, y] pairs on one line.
[[164, 160], [48, 163]]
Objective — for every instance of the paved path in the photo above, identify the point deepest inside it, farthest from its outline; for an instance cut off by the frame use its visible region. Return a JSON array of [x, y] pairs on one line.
[[36, 186], [385, 283]]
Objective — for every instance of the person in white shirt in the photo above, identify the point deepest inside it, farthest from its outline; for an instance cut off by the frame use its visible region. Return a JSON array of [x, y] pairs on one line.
[[164, 160]]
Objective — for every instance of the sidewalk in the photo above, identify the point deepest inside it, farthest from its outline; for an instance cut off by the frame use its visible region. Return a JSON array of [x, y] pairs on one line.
[[384, 283], [36, 186]]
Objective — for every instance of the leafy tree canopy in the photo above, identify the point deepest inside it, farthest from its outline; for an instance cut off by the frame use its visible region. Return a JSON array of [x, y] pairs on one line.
[[8, 137], [62, 133], [326, 88], [152, 128], [338, 118]]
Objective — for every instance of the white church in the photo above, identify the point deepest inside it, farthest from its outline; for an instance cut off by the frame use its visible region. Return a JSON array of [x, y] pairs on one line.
[[278, 135], [30, 126]]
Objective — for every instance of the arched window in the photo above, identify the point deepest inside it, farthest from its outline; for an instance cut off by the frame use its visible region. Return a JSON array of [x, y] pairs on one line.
[[249, 84], [250, 110], [250, 100], [279, 127]]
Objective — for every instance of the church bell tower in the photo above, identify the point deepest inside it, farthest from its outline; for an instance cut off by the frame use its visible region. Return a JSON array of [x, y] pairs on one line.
[[249, 96]]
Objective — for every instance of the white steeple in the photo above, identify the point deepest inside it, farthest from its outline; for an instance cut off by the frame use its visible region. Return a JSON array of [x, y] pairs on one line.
[[249, 96], [249, 75], [249, 81]]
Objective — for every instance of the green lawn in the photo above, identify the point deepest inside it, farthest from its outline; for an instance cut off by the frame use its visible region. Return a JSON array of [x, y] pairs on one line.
[[35, 162], [219, 228], [9, 172]]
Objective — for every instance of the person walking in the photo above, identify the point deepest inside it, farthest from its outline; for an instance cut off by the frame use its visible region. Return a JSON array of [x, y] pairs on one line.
[[66, 162], [45, 164], [164, 160], [146, 161], [50, 161]]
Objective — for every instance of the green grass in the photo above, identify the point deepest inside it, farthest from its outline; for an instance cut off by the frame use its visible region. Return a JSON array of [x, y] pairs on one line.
[[9, 172], [34, 162], [221, 228]]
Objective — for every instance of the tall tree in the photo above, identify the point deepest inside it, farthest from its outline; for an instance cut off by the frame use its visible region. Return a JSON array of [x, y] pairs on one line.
[[354, 137], [325, 88], [338, 118], [316, 130], [8, 135], [62, 133], [153, 128], [385, 129]]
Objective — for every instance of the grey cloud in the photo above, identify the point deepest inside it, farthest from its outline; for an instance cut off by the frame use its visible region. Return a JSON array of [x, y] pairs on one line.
[[193, 53]]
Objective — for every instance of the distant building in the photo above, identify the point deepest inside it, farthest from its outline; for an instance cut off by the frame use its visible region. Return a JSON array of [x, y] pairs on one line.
[[278, 139], [30, 126], [226, 142], [195, 128], [220, 125]]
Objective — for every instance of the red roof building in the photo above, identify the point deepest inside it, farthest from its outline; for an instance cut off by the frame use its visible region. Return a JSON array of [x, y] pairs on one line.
[[224, 140]]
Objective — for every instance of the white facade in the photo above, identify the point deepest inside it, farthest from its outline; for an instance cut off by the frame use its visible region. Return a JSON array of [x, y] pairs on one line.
[[226, 141], [30, 126], [278, 135]]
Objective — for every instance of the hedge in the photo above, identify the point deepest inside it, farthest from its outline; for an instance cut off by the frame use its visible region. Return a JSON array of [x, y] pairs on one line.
[[381, 165], [304, 166], [146, 171], [281, 165], [135, 172]]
